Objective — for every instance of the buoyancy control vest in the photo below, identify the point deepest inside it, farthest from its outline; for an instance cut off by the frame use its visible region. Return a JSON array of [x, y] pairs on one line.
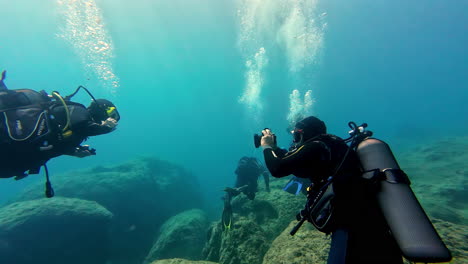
[[23, 116], [25, 130]]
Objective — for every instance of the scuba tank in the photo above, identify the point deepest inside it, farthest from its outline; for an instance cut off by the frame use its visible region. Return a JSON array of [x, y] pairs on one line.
[[413, 231]]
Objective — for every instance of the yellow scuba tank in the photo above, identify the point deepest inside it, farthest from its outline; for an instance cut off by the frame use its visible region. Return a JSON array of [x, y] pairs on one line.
[[413, 231]]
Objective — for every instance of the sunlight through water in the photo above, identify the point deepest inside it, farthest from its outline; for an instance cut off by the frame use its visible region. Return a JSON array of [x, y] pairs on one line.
[[85, 30]]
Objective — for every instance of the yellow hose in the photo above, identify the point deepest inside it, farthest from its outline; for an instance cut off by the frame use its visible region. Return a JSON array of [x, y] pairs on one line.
[[58, 97]]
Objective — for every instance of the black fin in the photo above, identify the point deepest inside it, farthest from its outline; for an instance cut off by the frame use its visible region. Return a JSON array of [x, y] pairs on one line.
[[2, 84]]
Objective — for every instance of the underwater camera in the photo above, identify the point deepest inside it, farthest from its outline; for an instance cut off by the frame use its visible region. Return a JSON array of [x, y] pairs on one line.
[[258, 138]]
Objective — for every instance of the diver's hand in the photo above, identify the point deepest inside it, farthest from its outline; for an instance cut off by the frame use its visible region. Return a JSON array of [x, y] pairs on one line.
[[84, 151], [111, 123], [268, 140]]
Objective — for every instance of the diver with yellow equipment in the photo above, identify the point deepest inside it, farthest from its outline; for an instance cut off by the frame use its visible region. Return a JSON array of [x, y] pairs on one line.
[[36, 127]]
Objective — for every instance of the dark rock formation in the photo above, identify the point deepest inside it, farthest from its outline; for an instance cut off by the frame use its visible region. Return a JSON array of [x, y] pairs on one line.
[[54, 231], [142, 194], [182, 236]]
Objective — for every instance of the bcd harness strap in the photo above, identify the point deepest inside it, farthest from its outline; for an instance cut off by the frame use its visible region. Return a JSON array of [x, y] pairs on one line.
[[389, 175]]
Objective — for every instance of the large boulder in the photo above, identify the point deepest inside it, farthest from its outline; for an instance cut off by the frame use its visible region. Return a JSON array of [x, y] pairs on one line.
[[182, 236], [439, 175], [142, 194], [54, 231], [306, 246]]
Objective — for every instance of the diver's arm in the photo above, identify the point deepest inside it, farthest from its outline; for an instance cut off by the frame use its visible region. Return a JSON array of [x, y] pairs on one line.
[[283, 165], [107, 126], [81, 151]]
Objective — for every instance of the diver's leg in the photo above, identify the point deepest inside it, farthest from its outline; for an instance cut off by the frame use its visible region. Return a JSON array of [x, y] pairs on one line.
[[338, 247]]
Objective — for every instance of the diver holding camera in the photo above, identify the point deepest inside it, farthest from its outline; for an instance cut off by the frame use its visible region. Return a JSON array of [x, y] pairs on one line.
[[258, 137], [353, 194]]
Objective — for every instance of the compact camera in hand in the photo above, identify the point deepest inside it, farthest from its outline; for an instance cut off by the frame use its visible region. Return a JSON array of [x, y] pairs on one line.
[[258, 138]]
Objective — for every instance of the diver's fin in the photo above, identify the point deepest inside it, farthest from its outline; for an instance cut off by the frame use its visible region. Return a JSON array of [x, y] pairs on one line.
[[2, 84], [227, 217]]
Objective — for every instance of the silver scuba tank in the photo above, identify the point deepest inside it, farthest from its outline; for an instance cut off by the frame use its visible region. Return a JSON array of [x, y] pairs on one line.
[[413, 231]]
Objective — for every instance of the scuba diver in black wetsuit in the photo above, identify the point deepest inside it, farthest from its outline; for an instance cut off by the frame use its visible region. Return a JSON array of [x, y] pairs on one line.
[[358, 193], [35, 128], [248, 170], [360, 234]]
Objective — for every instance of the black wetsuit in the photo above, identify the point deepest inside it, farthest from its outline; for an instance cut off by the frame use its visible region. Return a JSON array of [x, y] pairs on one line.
[[19, 157], [81, 125], [361, 235], [247, 175]]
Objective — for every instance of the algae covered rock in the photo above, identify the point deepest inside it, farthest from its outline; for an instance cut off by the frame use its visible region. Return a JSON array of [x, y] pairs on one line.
[[181, 236], [180, 261], [272, 211], [213, 245], [455, 237], [245, 242], [256, 223], [439, 175], [54, 231], [306, 246], [142, 194]]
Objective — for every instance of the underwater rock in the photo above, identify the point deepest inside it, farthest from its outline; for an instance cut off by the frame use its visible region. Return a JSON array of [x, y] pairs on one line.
[[264, 218], [272, 211], [54, 231], [181, 236], [213, 245], [257, 222], [181, 261], [438, 172], [455, 237], [245, 242], [306, 246], [142, 194]]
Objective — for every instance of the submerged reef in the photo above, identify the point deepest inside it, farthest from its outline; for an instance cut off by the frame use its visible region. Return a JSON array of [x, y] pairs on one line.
[[142, 194], [54, 231]]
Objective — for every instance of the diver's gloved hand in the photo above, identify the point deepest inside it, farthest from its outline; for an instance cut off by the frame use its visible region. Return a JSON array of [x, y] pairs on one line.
[[84, 151], [111, 123], [268, 140]]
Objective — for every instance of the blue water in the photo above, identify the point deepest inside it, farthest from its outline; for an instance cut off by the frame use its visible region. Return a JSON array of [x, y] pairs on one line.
[[400, 66]]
